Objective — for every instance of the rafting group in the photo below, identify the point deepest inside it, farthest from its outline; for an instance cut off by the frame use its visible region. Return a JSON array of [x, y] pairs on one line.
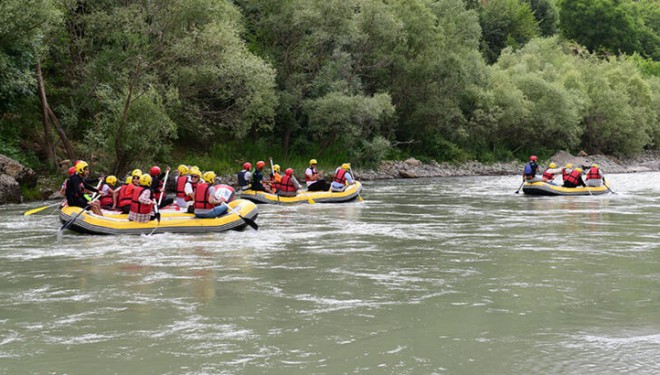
[[199, 195], [572, 183]]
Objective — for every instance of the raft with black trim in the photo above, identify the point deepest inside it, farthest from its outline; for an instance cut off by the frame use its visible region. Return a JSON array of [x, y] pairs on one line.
[[351, 193], [171, 221], [544, 188]]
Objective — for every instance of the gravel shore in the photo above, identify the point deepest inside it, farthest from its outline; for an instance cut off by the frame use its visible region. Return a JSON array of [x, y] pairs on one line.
[[413, 168]]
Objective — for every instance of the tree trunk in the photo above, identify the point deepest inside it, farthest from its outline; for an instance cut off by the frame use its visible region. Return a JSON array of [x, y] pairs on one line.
[[50, 154], [120, 155], [49, 118]]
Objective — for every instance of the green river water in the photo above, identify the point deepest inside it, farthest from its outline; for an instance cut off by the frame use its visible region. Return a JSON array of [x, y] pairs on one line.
[[432, 276]]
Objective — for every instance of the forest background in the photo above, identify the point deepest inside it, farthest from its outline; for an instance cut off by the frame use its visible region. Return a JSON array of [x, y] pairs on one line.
[[125, 83]]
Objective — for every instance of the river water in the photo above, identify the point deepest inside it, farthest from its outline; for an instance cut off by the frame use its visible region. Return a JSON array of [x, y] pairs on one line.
[[434, 276]]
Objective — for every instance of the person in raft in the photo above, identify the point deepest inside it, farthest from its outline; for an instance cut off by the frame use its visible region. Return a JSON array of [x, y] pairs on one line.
[[314, 183], [108, 193], [143, 202], [595, 176], [70, 173], [550, 172], [574, 179], [124, 201], [566, 171], [342, 178], [289, 185], [211, 197], [76, 187], [244, 176], [529, 172], [257, 179]]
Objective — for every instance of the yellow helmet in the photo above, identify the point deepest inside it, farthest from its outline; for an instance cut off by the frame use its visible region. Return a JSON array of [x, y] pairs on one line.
[[312, 162], [276, 168], [209, 177], [145, 180], [111, 180], [552, 165], [569, 165], [195, 171], [80, 166], [578, 169], [183, 170], [346, 166], [129, 180], [594, 166], [136, 172]]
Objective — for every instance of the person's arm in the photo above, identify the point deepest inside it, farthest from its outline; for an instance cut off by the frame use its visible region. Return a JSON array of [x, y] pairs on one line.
[[189, 190], [89, 187], [212, 198], [145, 197]]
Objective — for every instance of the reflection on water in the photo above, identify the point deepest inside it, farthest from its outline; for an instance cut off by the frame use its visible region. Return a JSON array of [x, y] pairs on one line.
[[453, 275]]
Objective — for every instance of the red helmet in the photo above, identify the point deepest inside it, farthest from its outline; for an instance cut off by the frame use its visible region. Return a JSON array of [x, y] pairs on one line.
[[154, 171], [247, 166], [260, 164], [288, 171], [72, 171], [533, 158]]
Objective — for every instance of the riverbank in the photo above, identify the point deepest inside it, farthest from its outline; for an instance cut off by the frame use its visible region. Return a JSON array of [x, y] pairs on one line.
[[413, 168]]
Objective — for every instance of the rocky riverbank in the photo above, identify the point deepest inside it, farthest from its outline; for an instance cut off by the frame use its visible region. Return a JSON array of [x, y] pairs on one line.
[[12, 176], [413, 168]]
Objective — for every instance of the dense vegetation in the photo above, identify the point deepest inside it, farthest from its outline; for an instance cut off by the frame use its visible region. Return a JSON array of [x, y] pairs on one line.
[[213, 82]]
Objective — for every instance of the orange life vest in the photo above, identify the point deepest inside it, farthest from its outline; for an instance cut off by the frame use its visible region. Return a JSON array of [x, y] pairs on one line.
[[340, 176], [286, 184], [593, 174], [202, 197]]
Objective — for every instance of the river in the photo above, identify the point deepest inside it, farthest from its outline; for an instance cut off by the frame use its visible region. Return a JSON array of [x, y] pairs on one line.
[[433, 276]]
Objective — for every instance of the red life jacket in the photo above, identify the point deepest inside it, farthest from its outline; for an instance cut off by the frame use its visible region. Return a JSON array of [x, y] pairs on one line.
[[314, 173], [593, 174], [574, 177], [340, 176], [106, 200], [125, 195], [286, 184], [202, 197], [565, 173], [181, 188], [548, 176], [138, 207]]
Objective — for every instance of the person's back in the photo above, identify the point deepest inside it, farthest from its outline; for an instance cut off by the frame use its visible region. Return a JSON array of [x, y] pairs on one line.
[[566, 171], [574, 179], [243, 177], [289, 186], [594, 176], [529, 171], [341, 178]]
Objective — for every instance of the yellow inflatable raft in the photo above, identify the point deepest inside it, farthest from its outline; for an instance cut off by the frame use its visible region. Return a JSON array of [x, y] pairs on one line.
[[171, 221], [304, 196], [544, 188]]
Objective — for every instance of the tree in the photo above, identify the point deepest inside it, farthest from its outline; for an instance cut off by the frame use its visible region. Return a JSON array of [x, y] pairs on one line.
[[601, 25], [506, 23]]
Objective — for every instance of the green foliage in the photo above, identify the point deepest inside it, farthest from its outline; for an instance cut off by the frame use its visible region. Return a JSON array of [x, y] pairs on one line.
[[148, 129], [506, 23], [547, 16], [613, 26]]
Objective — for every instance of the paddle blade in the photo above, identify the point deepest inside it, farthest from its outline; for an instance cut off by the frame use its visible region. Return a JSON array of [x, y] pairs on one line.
[[310, 200], [250, 222], [35, 210]]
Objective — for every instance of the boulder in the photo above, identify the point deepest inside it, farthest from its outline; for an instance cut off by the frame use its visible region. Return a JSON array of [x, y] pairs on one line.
[[22, 175], [412, 162], [10, 190]]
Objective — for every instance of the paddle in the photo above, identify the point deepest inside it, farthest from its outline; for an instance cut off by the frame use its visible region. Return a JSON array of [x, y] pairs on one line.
[[353, 175], [608, 188], [249, 222], [95, 196], [521, 185], [272, 170], [39, 209]]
